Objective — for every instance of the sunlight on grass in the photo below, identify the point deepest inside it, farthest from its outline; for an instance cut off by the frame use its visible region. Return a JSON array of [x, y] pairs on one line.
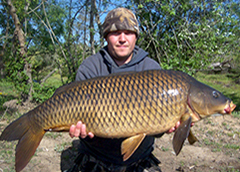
[[7, 88], [55, 81]]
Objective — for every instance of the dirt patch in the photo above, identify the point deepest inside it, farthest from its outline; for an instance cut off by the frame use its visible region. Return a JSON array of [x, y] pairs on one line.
[[218, 149]]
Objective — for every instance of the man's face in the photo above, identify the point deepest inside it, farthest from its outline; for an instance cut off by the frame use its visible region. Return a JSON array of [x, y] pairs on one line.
[[121, 44]]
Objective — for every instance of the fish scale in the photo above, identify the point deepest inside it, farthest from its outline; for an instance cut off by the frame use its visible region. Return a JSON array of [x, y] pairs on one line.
[[83, 98], [126, 105]]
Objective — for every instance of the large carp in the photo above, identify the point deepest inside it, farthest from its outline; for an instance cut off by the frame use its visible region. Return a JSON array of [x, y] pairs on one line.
[[126, 105]]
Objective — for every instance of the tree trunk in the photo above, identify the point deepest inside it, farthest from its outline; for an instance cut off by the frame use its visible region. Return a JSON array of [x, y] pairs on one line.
[[92, 26], [97, 18], [23, 50], [85, 33], [1, 63]]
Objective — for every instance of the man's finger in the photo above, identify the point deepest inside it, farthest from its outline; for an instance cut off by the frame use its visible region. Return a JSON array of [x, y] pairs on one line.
[[91, 135], [71, 130], [83, 132], [77, 131]]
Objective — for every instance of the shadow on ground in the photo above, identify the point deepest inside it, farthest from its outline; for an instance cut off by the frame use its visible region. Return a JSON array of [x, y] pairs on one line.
[[69, 155]]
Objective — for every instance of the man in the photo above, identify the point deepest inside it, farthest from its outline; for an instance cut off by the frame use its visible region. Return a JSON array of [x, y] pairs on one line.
[[120, 30]]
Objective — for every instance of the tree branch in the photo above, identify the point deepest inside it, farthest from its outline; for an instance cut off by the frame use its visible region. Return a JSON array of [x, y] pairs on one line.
[[46, 77]]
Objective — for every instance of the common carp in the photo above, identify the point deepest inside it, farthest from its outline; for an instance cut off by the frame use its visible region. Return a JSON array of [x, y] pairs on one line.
[[125, 105]]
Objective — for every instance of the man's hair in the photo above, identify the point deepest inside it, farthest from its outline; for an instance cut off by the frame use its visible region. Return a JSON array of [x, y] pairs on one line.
[[120, 19]]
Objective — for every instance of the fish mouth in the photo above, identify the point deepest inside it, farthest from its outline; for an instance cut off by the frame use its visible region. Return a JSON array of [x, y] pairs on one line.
[[229, 108]]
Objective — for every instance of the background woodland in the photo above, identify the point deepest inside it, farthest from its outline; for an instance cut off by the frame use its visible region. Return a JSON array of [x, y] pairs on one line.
[[39, 39]]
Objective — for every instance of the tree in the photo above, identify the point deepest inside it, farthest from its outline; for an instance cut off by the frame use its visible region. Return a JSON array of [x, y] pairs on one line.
[[20, 35], [186, 35], [40, 38], [24, 38]]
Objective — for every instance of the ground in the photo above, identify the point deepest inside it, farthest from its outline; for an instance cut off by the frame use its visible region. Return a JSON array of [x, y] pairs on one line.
[[218, 149]]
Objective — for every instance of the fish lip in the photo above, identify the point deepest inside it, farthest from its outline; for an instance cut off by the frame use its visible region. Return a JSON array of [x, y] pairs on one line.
[[230, 106]]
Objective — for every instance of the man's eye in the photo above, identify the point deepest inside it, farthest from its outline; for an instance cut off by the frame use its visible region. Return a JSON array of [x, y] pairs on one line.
[[115, 33]]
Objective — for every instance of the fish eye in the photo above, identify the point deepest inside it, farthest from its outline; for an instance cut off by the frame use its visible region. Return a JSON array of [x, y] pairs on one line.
[[215, 94]]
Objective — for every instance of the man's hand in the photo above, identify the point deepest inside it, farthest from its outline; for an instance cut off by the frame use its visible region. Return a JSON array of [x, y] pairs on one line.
[[175, 127], [79, 130]]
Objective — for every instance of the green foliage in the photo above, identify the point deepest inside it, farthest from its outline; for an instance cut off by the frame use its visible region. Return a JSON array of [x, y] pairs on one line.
[[232, 146], [39, 44], [181, 35], [15, 72], [189, 35], [7, 93], [53, 22], [42, 93]]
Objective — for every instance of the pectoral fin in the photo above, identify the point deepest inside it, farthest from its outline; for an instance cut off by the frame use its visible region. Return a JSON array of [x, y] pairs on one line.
[[181, 134], [191, 138], [130, 145]]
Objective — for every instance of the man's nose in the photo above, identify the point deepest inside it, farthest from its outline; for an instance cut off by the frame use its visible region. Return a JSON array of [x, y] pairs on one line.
[[122, 37]]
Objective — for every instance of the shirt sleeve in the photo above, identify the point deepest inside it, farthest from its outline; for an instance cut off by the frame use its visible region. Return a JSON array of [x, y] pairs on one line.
[[88, 69], [150, 64]]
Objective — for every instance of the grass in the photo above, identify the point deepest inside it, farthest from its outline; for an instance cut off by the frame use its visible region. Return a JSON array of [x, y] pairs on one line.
[[61, 147], [229, 170], [7, 88], [219, 145], [232, 146], [7, 156], [45, 91], [7, 92], [236, 114], [53, 135], [55, 81], [165, 149]]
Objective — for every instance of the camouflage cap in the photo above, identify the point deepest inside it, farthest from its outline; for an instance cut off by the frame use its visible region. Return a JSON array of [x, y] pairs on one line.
[[120, 19]]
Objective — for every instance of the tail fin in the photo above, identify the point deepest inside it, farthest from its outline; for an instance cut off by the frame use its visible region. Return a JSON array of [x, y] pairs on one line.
[[28, 136]]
